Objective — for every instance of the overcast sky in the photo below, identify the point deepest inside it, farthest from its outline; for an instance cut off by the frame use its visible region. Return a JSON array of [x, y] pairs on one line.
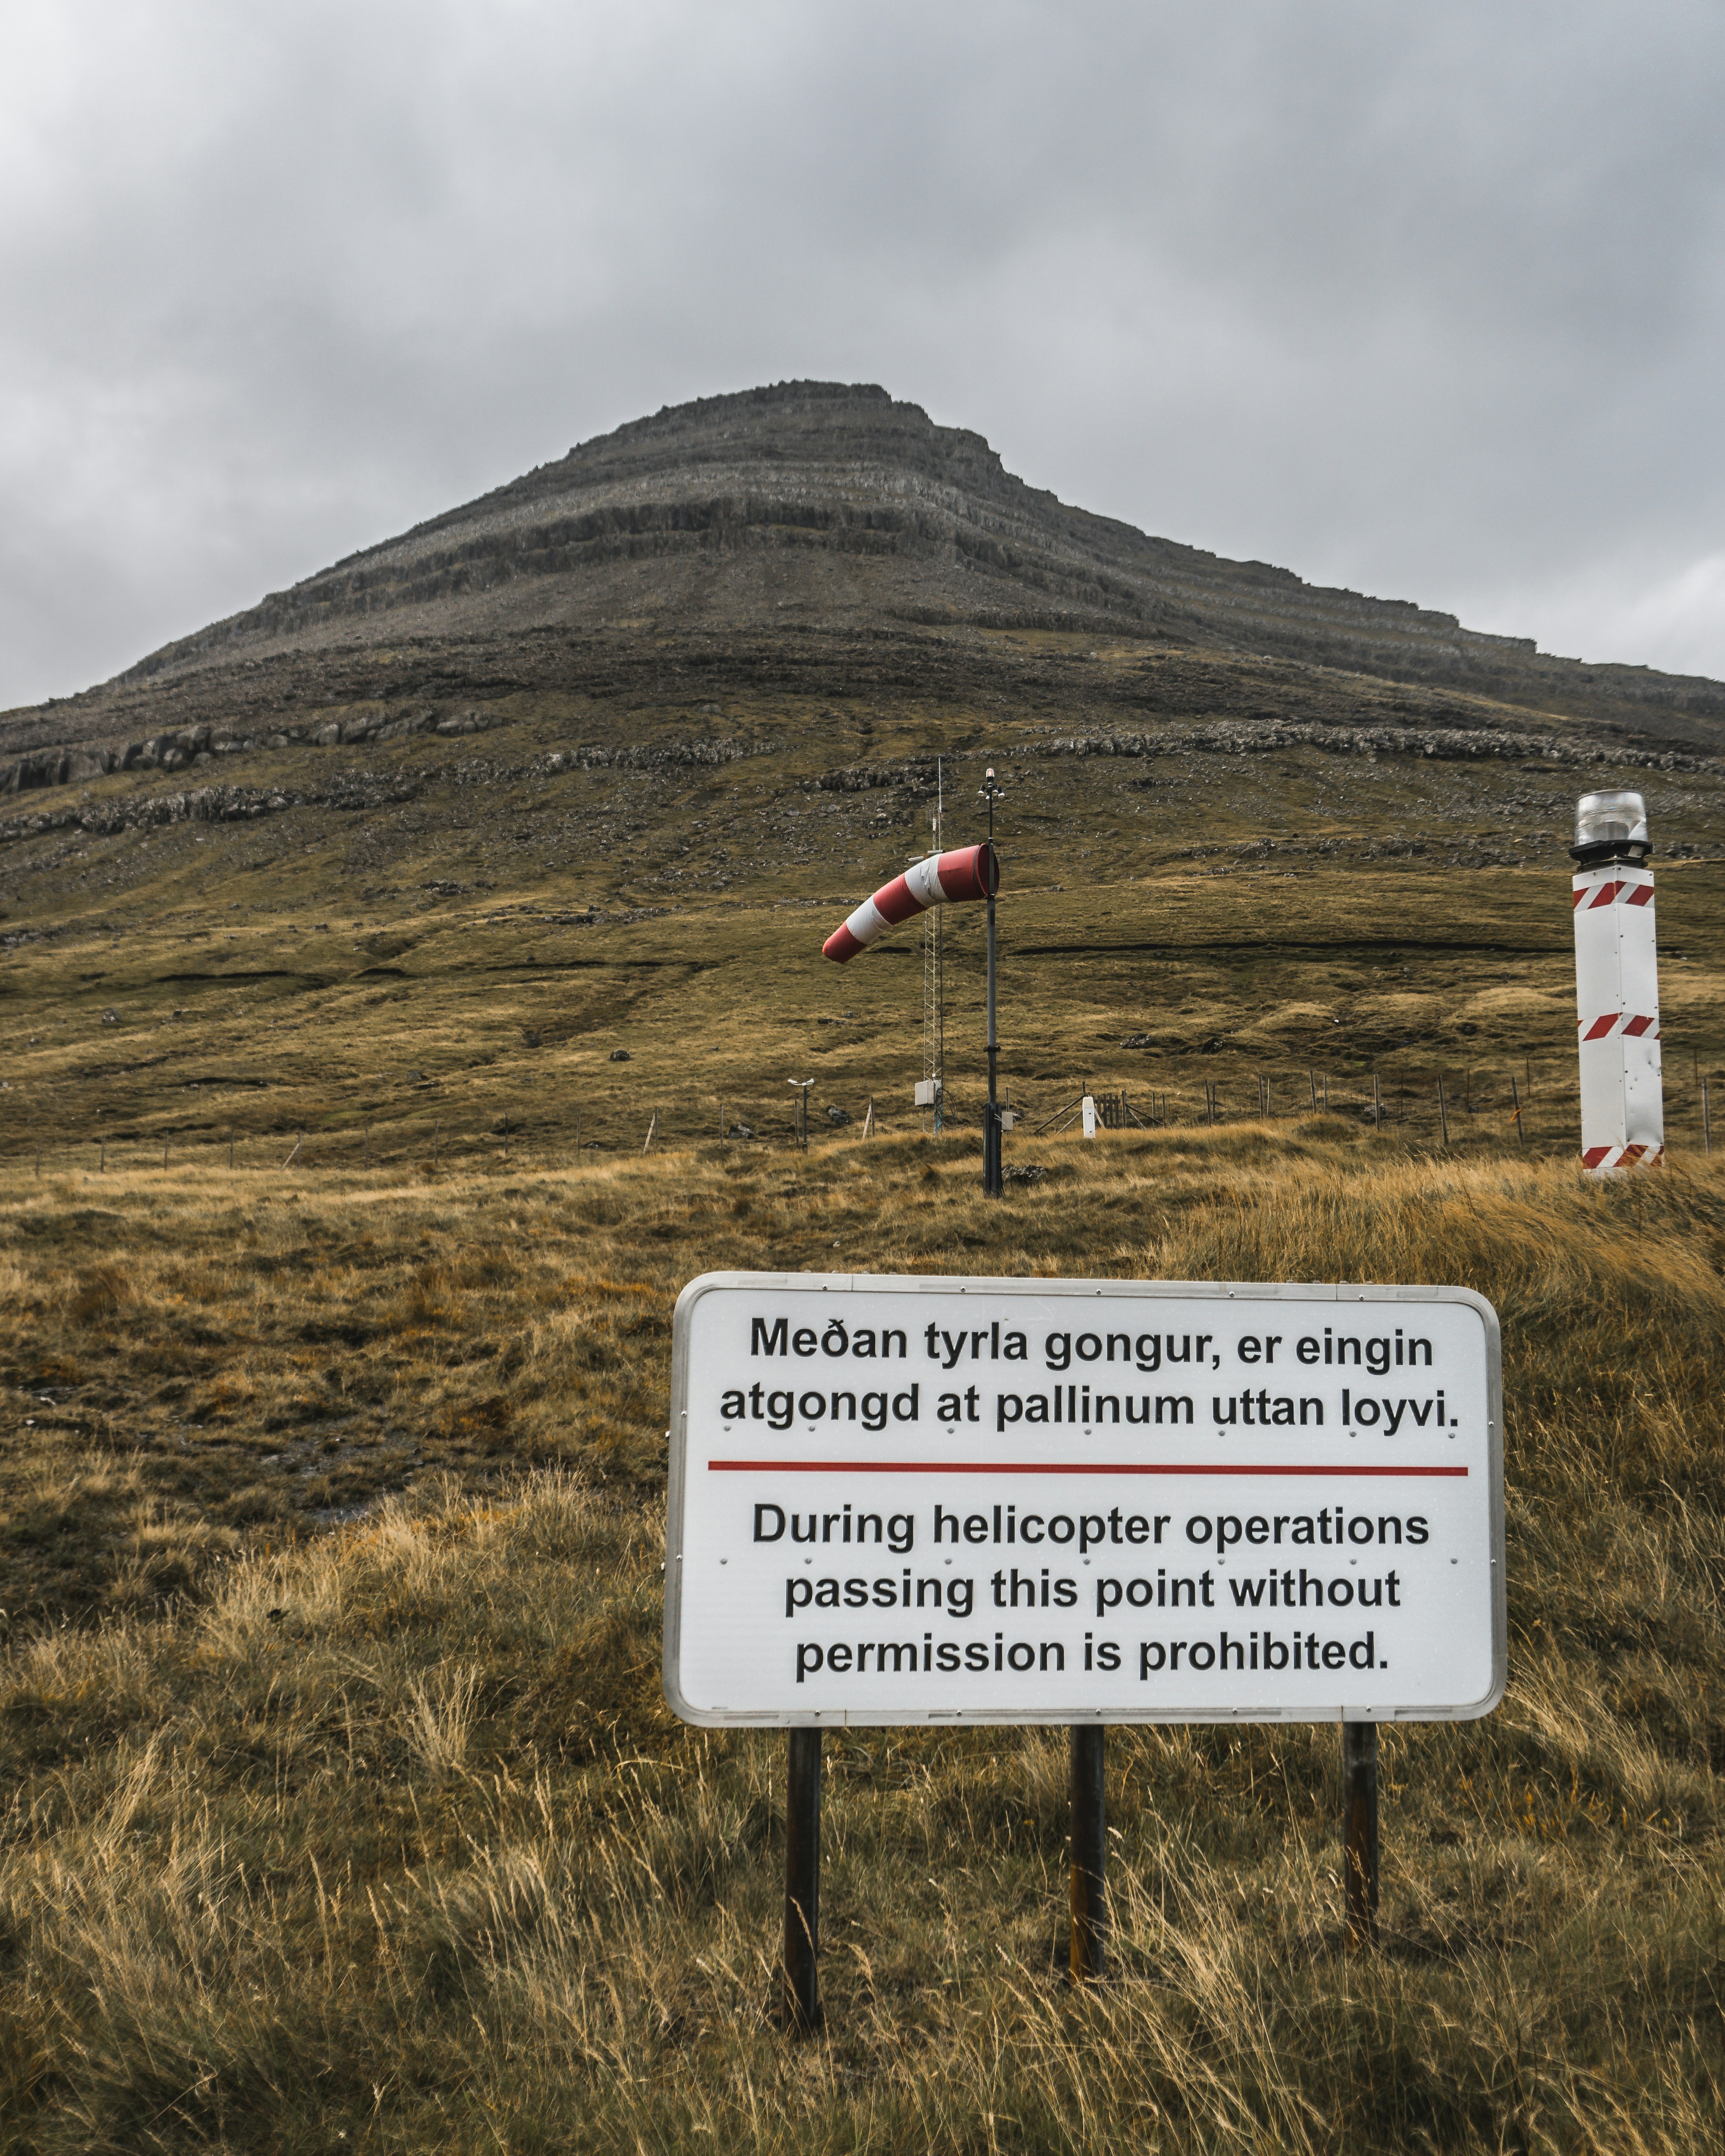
[[1426, 301]]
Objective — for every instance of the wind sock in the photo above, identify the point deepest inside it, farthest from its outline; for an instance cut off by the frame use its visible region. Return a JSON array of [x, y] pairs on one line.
[[1616, 986], [940, 879]]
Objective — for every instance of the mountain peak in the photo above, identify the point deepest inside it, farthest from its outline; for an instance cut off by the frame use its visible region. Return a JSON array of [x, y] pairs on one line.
[[834, 508]]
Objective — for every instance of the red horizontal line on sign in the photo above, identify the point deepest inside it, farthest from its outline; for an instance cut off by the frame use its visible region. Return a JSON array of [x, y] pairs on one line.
[[1040, 1467]]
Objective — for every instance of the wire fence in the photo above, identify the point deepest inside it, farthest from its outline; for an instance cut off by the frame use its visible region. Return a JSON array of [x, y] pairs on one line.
[[1526, 1104]]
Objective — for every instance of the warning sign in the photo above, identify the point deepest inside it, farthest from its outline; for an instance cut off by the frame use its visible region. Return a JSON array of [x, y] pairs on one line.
[[900, 1500]]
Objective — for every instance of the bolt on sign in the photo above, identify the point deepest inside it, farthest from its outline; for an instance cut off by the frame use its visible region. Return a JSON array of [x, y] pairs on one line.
[[916, 1500]]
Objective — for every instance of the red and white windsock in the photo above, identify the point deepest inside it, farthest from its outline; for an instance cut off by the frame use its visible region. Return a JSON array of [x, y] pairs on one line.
[[940, 879], [1616, 985]]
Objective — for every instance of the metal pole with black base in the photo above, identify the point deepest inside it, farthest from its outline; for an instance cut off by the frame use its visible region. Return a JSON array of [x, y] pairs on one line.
[[802, 1882], [1359, 1833], [993, 1180], [1089, 1851]]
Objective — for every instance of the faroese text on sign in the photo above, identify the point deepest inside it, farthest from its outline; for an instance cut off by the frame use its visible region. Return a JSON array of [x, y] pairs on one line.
[[903, 1500]]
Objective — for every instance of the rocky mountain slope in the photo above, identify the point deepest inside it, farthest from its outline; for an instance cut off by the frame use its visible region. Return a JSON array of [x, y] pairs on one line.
[[594, 764], [812, 530]]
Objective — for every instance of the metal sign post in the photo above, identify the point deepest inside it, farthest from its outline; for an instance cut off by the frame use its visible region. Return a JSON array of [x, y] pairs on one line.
[[1359, 1832], [914, 1500], [1090, 1852], [802, 1881]]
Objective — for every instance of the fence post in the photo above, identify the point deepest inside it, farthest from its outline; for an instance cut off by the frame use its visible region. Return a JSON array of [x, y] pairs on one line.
[[652, 1129], [1521, 1126], [1312, 1076], [1707, 1120], [1377, 1104], [1443, 1113], [105, 1156]]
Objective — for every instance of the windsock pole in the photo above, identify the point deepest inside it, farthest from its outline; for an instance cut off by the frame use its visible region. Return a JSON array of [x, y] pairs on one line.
[[993, 1180], [1616, 985], [972, 872]]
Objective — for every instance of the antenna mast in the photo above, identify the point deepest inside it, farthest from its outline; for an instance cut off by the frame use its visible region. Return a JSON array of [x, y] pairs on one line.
[[934, 1018]]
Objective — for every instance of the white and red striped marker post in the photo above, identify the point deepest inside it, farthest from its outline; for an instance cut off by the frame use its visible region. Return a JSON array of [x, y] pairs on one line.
[[1616, 985]]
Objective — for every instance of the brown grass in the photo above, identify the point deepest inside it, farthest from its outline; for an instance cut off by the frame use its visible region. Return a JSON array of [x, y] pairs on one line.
[[387, 1839]]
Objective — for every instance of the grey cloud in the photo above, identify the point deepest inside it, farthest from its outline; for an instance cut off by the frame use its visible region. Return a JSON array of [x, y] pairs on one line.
[[1425, 302]]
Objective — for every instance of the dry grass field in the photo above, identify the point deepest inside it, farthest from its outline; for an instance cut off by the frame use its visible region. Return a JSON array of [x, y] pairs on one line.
[[382, 1836], [339, 1805]]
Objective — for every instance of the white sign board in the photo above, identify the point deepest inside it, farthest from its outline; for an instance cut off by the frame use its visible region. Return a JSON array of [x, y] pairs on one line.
[[905, 1499]]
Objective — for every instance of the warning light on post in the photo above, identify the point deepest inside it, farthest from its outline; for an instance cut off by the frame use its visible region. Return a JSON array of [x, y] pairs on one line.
[[1616, 985]]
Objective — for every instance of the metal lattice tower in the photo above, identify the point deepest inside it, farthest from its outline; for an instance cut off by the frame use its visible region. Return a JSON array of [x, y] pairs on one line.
[[934, 1017]]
